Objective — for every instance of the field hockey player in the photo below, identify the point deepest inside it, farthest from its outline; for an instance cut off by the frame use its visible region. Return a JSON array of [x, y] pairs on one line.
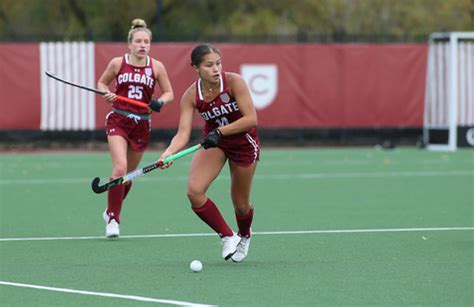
[[128, 125]]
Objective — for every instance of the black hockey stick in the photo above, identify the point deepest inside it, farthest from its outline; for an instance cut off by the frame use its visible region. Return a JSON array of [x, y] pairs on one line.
[[97, 91], [98, 188], [76, 85]]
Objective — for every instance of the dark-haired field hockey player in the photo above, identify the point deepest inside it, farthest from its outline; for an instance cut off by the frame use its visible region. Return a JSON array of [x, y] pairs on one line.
[[229, 134]]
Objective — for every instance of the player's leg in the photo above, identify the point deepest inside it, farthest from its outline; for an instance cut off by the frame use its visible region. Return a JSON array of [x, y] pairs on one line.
[[241, 185], [133, 160], [138, 140], [205, 167], [118, 150]]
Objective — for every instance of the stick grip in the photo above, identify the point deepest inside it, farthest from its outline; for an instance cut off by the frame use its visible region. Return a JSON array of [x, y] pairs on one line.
[[181, 153], [132, 101]]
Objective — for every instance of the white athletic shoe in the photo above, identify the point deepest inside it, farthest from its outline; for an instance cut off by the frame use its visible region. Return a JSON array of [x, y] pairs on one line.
[[229, 246], [112, 228], [242, 250]]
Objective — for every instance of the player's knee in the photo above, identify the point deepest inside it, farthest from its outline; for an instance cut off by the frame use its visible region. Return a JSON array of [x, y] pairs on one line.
[[195, 196], [195, 199], [119, 169], [192, 195]]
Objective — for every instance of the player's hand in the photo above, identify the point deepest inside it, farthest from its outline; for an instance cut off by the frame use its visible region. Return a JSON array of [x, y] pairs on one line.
[[212, 139], [155, 105], [109, 96], [162, 158]]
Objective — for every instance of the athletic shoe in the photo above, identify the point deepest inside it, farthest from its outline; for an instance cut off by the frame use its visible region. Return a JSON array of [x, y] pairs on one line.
[[242, 250], [112, 229], [229, 245]]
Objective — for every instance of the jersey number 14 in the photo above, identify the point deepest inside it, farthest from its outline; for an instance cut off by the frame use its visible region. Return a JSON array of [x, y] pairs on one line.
[[223, 121]]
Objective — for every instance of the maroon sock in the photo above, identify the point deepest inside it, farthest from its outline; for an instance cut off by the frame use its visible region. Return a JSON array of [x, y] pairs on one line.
[[127, 186], [244, 222], [212, 217], [115, 199]]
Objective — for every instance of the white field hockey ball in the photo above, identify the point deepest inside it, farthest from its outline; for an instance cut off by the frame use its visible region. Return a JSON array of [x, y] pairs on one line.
[[196, 266]]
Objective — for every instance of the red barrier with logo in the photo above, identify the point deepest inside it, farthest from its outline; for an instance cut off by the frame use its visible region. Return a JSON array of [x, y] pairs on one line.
[[294, 85]]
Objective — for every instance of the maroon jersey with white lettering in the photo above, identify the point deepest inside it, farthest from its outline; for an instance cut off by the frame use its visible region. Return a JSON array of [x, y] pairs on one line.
[[219, 112], [136, 83], [243, 148]]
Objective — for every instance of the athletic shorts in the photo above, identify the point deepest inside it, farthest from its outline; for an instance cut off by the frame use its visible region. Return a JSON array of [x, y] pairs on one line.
[[243, 149], [136, 132]]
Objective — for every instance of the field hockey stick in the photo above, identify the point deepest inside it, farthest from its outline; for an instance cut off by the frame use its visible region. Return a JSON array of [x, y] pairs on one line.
[[98, 188], [97, 91]]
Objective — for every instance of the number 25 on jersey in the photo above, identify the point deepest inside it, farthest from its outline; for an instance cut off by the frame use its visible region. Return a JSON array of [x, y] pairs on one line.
[[135, 92]]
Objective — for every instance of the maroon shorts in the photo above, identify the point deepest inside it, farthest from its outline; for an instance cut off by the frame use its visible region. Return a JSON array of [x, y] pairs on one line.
[[243, 149], [136, 132]]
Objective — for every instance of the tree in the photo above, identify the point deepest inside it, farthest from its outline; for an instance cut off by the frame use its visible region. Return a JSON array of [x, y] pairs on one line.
[[109, 20]]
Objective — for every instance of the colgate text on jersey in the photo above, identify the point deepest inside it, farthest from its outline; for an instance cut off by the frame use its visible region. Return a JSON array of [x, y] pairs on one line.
[[135, 77], [224, 109]]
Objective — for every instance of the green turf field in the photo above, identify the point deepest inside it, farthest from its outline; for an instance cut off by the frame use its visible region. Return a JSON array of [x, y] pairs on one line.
[[333, 227]]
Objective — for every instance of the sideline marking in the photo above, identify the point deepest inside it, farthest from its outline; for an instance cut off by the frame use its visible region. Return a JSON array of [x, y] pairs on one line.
[[104, 294], [295, 232]]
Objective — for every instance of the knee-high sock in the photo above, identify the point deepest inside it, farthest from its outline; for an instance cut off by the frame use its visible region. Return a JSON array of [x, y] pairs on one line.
[[244, 222], [115, 199], [212, 217], [127, 186]]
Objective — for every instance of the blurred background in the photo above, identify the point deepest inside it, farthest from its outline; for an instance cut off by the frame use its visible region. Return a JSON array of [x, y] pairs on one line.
[[321, 72]]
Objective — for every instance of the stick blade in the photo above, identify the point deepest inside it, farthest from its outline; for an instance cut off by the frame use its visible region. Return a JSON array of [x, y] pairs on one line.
[[96, 187]]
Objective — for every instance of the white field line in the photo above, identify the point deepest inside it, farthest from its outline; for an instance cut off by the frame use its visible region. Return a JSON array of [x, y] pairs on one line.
[[304, 176], [182, 303], [295, 232], [103, 294]]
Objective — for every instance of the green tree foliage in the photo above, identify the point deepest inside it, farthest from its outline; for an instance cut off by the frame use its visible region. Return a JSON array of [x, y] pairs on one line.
[[109, 20]]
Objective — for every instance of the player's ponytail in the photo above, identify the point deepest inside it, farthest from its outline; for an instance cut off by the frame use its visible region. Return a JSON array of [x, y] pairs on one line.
[[138, 25]]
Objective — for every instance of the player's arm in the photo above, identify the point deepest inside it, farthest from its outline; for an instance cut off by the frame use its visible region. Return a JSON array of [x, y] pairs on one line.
[[107, 76], [242, 96], [164, 83], [187, 107]]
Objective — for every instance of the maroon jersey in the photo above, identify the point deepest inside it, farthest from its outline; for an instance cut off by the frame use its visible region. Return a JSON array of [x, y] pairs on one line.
[[244, 148], [219, 112], [136, 83]]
